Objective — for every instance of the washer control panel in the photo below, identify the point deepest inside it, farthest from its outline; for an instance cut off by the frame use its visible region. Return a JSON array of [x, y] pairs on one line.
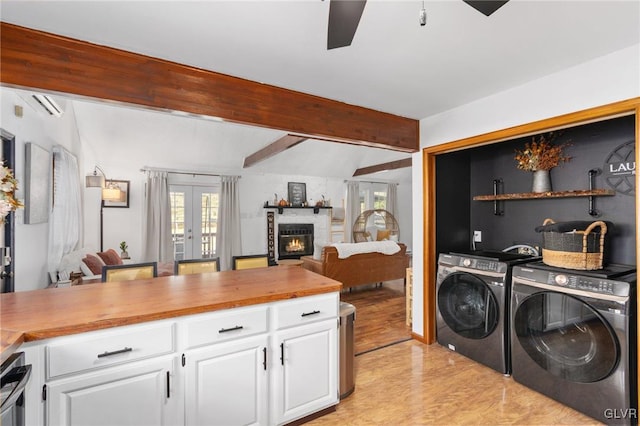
[[595, 285], [480, 264]]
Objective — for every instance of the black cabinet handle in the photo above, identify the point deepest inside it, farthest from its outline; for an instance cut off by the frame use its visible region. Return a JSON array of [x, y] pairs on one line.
[[226, 330], [120, 351], [282, 353], [306, 314], [264, 358], [168, 385]]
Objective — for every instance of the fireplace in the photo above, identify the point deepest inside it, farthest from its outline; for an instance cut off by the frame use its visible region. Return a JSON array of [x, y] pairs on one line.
[[295, 240]]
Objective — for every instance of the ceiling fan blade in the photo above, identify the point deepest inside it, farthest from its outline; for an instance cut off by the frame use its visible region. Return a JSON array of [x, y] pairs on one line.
[[344, 17], [487, 7]]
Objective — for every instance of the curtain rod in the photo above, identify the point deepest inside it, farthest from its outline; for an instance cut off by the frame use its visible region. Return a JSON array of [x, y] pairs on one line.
[[177, 172], [370, 181]]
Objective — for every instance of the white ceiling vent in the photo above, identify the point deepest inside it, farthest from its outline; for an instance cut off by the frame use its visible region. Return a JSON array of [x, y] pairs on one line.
[[44, 104], [49, 105]]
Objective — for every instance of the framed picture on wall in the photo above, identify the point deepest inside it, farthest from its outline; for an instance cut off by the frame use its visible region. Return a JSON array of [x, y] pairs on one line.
[[123, 201], [297, 194]]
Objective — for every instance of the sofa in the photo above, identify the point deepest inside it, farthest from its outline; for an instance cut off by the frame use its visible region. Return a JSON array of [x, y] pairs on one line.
[[358, 269]]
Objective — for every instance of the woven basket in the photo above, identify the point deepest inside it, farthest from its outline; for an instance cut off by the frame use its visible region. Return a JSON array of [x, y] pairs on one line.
[[582, 250]]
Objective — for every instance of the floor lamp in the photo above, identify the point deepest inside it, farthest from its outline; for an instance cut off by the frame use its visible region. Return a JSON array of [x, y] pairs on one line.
[[110, 192]]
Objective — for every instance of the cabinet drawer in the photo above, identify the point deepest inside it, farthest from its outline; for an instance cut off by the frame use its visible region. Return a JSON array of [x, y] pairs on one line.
[[105, 348], [306, 310], [226, 325]]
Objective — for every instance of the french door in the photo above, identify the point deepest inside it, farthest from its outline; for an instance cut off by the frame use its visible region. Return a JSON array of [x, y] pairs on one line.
[[194, 221]]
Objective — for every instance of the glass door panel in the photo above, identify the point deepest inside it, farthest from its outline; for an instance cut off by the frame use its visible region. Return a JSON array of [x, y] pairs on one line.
[[566, 337], [194, 219]]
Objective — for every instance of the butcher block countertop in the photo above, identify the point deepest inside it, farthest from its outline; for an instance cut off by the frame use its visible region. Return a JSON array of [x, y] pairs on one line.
[[41, 314]]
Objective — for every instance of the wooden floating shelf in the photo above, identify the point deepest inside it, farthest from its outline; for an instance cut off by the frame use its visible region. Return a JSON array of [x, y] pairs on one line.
[[559, 194]]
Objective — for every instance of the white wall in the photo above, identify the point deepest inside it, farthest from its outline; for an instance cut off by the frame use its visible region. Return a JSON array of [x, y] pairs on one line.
[[610, 78], [126, 224], [30, 252]]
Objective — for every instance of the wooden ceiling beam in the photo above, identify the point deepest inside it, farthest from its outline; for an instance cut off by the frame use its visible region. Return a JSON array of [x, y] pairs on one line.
[[51, 63], [391, 165], [282, 144]]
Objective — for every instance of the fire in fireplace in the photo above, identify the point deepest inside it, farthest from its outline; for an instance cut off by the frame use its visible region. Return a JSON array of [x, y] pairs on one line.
[[295, 240]]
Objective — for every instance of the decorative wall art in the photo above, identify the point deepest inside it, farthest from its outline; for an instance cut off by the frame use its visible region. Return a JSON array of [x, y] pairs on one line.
[[297, 194], [36, 184], [124, 196]]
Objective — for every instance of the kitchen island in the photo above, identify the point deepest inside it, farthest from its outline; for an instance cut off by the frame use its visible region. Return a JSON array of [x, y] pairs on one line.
[[178, 326]]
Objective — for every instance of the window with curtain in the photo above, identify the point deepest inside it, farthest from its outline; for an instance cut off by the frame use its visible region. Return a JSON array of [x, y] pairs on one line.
[[64, 220], [373, 196]]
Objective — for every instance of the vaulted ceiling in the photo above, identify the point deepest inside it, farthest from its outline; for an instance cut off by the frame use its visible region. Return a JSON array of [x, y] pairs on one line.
[[393, 65]]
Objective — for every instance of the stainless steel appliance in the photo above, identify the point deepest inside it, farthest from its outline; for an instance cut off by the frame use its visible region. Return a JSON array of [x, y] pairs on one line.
[[472, 296], [573, 337], [14, 376]]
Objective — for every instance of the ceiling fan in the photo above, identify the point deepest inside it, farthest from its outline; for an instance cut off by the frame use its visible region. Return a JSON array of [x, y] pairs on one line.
[[344, 17]]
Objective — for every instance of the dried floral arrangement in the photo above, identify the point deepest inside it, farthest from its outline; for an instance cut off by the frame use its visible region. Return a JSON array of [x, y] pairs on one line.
[[541, 154], [8, 187]]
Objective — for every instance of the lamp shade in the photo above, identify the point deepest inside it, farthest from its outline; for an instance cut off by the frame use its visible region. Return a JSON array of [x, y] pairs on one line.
[[112, 193], [94, 181]]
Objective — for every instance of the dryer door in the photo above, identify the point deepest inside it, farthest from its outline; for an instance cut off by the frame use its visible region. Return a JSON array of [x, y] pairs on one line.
[[467, 305], [566, 336]]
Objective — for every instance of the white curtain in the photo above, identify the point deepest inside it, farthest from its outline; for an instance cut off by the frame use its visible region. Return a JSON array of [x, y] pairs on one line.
[[228, 239], [392, 199], [352, 210], [157, 245], [65, 223]]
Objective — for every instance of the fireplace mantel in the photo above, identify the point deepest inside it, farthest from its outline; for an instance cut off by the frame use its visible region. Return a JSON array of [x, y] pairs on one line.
[[316, 209]]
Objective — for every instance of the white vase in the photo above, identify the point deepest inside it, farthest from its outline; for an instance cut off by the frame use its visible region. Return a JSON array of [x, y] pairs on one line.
[[541, 181]]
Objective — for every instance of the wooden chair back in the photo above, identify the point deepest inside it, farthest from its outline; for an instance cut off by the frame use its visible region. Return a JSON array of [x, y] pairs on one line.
[[133, 271], [196, 266], [249, 262]]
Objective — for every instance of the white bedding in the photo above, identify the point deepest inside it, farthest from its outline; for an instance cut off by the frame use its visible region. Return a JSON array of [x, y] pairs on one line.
[[349, 249]]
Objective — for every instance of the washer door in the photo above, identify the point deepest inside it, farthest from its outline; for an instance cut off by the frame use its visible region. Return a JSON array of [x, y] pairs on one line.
[[566, 337], [468, 306]]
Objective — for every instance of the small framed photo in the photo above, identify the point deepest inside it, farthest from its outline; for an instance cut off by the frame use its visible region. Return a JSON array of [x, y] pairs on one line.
[[123, 202], [297, 194]]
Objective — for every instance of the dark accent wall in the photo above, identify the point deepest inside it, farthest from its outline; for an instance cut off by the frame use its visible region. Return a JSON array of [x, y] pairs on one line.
[[453, 183], [458, 215]]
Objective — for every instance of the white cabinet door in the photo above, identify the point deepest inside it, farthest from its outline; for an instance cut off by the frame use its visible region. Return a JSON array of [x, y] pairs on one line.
[[126, 395], [305, 376], [226, 383]]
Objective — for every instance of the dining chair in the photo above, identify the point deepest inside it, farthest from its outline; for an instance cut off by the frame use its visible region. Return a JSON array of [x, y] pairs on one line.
[[250, 261], [132, 271], [196, 266]]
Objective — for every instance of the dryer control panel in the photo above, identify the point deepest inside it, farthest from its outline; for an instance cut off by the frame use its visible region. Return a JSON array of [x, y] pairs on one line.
[[619, 286]]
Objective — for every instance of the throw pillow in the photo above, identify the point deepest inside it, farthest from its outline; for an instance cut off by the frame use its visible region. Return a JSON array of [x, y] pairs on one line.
[[110, 257], [383, 234], [93, 263]]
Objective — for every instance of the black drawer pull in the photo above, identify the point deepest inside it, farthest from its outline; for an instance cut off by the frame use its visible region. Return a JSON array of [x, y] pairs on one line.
[[121, 351], [226, 330], [306, 314]]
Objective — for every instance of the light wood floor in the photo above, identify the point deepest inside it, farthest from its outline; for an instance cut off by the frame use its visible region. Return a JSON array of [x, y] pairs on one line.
[[380, 315], [410, 383]]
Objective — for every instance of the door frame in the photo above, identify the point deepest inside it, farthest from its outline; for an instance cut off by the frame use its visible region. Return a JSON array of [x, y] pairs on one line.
[[9, 234]]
